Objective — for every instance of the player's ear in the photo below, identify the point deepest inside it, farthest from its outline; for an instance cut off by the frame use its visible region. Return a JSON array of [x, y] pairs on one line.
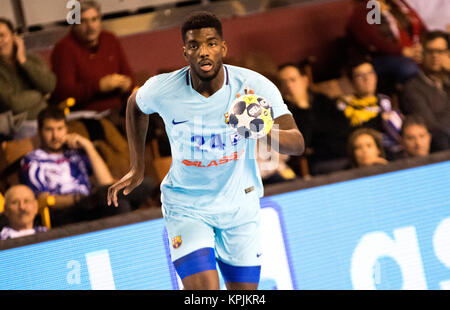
[[184, 52], [224, 48]]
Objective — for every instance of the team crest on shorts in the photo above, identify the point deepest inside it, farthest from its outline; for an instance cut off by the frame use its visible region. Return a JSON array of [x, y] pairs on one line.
[[176, 242]]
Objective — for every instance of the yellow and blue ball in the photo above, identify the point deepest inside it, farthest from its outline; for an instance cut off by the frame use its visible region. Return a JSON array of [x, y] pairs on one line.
[[251, 116]]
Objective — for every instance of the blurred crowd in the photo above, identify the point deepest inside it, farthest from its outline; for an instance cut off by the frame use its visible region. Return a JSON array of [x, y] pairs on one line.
[[397, 103], [62, 127]]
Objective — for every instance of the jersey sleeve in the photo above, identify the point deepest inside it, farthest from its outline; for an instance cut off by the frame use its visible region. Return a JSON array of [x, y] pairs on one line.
[[146, 96], [265, 88]]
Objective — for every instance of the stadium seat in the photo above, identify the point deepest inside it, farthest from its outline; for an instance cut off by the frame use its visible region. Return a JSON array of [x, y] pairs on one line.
[[44, 212], [2, 203]]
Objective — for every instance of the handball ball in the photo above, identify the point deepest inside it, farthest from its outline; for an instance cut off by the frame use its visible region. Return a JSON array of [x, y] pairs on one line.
[[251, 116]]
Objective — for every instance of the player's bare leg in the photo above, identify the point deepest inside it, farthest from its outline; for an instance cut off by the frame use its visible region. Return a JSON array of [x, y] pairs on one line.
[[241, 286], [205, 280]]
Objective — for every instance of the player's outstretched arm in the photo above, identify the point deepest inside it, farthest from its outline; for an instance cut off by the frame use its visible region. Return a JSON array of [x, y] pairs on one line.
[[285, 138], [137, 125]]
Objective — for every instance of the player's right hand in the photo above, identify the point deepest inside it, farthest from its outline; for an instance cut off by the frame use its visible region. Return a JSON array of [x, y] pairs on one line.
[[128, 183]]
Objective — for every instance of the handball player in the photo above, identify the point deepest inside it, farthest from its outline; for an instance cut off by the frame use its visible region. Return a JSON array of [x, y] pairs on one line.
[[210, 196]]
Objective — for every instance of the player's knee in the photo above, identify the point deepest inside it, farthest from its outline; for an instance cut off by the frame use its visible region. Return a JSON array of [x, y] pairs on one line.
[[241, 286], [205, 280]]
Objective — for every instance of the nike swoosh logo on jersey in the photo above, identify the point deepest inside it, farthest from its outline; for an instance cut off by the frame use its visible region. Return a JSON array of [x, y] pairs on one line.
[[176, 123]]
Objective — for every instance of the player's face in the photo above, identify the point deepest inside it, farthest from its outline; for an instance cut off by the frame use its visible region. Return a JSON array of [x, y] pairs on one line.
[[365, 150], [365, 80], [90, 27], [204, 51], [53, 134], [416, 140]]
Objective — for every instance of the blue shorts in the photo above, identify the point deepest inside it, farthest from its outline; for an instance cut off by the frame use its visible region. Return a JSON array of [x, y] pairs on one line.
[[197, 241]]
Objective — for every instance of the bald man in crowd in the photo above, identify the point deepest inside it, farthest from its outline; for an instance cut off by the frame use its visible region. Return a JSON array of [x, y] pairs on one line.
[[21, 208]]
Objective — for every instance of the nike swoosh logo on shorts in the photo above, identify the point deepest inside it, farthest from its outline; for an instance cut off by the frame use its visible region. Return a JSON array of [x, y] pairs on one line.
[[176, 123]]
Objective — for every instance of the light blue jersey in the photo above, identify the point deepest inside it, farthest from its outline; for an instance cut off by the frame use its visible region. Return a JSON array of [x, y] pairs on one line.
[[213, 169]]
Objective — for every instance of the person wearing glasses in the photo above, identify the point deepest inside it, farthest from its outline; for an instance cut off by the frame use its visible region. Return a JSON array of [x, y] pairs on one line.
[[368, 108], [428, 93]]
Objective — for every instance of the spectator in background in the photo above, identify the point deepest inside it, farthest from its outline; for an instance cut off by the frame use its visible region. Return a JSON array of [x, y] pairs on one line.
[[60, 170], [415, 137], [91, 66], [369, 109], [316, 118], [393, 43], [26, 83], [21, 208], [428, 93], [365, 148]]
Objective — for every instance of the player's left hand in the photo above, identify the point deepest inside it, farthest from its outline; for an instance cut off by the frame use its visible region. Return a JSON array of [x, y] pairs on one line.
[[128, 183]]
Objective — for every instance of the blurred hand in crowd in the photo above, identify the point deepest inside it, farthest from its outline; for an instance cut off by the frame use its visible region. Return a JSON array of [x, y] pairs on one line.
[[76, 141], [21, 55], [115, 81]]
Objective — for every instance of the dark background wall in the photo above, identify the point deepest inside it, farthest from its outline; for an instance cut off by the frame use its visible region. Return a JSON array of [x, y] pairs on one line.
[[288, 34]]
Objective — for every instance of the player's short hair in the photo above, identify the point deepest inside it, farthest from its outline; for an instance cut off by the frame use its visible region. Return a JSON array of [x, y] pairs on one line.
[[201, 19], [89, 4], [8, 24], [413, 120], [50, 112]]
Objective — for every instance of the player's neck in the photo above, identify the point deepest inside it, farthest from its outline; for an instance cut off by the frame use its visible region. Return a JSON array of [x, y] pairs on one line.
[[207, 88]]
